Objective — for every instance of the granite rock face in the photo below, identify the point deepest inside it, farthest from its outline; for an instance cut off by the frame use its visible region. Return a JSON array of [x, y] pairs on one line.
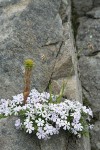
[[95, 136], [12, 139], [65, 68], [37, 30], [94, 13], [82, 6], [40, 30], [28, 29], [88, 45], [96, 3]]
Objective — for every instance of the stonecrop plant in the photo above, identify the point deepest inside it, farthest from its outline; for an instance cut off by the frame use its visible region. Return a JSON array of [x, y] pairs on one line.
[[45, 114]]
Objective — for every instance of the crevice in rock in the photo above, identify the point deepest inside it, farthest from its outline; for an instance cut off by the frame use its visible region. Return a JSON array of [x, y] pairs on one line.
[[96, 87], [86, 90], [50, 44], [64, 18], [54, 65], [91, 16], [74, 20], [93, 53], [86, 101], [59, 49], [40, 145], [67, 139], [62, 12], [93, 3]]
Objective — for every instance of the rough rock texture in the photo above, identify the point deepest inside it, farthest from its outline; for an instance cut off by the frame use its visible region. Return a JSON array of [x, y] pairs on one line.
[[82, 6], [95, 136], [65, 68], [40, 30], [28, 29], [88, 45], [94, 13], [96, 3], [37, 30], [12, 139]]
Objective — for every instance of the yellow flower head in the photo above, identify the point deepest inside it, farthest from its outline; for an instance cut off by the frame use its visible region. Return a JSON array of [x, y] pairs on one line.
[[29, 63]]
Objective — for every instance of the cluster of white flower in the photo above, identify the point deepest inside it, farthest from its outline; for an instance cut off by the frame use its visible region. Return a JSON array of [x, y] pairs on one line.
[[44, 118]]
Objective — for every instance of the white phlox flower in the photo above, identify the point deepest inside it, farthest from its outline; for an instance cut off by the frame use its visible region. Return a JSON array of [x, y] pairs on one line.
[[54, 117], [17, 109], [45, 95], [29, 126], [18, 124], [66, 126], [18, 99], [77, 126], [40, 133], [49, 129], [40, 122], [44, 117]]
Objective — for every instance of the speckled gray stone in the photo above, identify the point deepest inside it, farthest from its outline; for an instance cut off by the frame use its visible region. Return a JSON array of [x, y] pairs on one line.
[[89, 62], [12, 139], [82, 6], [40, 30], [28, 29], [88, 44], [94, 13], [95, 136]]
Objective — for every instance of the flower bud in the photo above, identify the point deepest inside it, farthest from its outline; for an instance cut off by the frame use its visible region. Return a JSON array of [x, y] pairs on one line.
[[29, 63]]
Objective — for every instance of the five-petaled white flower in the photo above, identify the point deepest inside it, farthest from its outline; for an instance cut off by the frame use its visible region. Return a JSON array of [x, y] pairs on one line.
[[46, 118], [40, 122]]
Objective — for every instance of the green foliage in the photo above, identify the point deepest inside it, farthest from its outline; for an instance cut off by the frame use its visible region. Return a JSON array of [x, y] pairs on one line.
[[50, 91], [2, 116], [59, 96]]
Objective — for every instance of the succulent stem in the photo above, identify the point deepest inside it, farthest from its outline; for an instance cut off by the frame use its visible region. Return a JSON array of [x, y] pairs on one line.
[[27, 78]]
